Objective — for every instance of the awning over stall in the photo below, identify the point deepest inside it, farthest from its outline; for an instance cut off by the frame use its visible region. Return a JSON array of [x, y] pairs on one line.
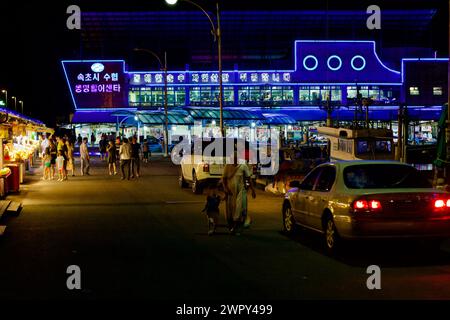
[[228, 114]]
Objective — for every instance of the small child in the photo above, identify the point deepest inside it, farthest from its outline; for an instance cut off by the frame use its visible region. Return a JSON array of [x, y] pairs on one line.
[[47, 164], [60, 165], [213, 198]]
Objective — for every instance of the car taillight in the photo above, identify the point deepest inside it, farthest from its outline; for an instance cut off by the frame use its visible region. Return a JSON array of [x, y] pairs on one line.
[[206, 167], [441, 203], [364, 205]]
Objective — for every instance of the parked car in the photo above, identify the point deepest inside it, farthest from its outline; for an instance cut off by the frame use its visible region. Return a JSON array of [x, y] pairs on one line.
[[347, 200], [199, 169]]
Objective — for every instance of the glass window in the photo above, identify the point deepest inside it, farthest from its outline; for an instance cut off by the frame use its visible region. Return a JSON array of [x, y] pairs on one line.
[[325, 93], [367, 176], [336, 93], [180, 97], [314, 94], [146, 97], [351, 92], [134, 96], [288, 95], [374, 93], [304, 94], [414, 91], [277, 95], [326, 179], [157, 96], [207, 97], [255, 94], [194, 96], [437, 91], [244, 96], [310, 180]]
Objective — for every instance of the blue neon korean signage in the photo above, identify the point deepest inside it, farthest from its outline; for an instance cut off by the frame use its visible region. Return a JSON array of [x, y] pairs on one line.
[[341, 62], [96, 84]]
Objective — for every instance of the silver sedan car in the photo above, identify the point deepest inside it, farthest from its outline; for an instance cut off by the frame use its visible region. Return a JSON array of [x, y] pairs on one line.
[[366, 199]]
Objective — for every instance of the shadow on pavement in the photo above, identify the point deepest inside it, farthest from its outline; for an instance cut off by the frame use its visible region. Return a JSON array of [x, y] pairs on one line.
[[389, 253]]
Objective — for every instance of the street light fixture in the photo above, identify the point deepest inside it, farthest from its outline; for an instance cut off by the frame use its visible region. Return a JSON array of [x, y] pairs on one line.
[[15, 103], [6, 97], [216, 31], [163, 67], [21, 104]]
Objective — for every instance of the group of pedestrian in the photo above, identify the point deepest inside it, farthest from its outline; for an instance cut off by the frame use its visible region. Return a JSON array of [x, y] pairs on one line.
[[129, 156], [57, 154]]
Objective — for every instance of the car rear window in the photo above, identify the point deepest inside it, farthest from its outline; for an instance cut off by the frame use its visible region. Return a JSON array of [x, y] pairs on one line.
[[379, 176]]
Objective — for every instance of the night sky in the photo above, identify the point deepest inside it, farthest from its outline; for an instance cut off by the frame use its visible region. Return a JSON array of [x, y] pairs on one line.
[[34, 38]]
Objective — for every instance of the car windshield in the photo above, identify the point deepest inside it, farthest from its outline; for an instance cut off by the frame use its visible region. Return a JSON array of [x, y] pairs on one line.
[[379, 176]]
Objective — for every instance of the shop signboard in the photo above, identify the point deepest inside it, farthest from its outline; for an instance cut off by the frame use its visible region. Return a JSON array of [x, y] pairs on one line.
[[96, 84]]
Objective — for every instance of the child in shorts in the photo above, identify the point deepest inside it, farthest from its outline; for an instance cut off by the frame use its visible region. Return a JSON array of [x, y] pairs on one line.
[[47, 164], [60, 165], [213, 197]]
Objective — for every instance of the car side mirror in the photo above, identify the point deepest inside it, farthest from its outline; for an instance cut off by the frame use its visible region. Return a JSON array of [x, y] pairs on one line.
[[294, 184]]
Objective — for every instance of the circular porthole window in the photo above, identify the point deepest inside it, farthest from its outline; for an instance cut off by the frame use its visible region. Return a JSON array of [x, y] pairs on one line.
[[310, 66], [360, 64], [334, 63]]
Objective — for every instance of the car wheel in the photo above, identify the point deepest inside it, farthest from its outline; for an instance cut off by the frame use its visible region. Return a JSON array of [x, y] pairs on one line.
[[195, 184], [289, 225], [331, 236], [181, 182]]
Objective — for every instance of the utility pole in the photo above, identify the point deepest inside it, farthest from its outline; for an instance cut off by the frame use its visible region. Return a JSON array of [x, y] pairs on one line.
[[447, 129]]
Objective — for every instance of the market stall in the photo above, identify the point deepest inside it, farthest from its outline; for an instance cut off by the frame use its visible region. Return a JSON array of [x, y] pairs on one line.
[[19, 137]]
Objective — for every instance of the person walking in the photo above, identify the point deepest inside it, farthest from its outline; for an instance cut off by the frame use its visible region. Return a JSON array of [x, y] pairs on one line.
[[235, 179], [125, 158], [79, 140], [135, 158], [53, 156], [102, 145], [70, 166], [84, 157], [92, 139], [111, 149], [145, 151]]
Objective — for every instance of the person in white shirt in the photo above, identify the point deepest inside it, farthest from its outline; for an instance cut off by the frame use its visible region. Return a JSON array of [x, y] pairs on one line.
[[84, 157], [125, 157]]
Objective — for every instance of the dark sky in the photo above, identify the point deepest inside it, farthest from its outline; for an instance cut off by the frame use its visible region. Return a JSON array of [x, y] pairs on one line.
[[34, 38]]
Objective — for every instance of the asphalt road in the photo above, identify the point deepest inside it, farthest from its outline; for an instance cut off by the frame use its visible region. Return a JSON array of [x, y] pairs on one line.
[[147, 239]]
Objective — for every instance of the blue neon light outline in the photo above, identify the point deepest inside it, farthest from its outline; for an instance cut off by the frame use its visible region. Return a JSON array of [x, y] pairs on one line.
[[349, 41], [84, 61], [353, 65], [420, 59], [335, 68], [310, 68], [276, 84]]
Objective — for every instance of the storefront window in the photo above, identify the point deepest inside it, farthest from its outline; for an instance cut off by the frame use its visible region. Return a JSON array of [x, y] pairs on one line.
[[145, 97], [325, 93], [414, 91], [374, 93], [255, 94], [194, 96], [133, 97], [315, 95], [336, 93], [180, 97], [244, 96], [351, 92], [304, 94], [437, 91]]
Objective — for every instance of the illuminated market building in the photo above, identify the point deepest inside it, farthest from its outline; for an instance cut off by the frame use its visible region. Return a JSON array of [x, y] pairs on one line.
[[326, 75]]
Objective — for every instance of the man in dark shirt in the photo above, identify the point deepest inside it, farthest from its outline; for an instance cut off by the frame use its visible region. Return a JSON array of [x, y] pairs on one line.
[[135, 161]]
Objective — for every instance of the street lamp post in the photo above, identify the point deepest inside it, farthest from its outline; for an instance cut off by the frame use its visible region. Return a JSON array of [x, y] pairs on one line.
[[21, 105], [166, 118], [216, 31], [15, 103], [6, 98]]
